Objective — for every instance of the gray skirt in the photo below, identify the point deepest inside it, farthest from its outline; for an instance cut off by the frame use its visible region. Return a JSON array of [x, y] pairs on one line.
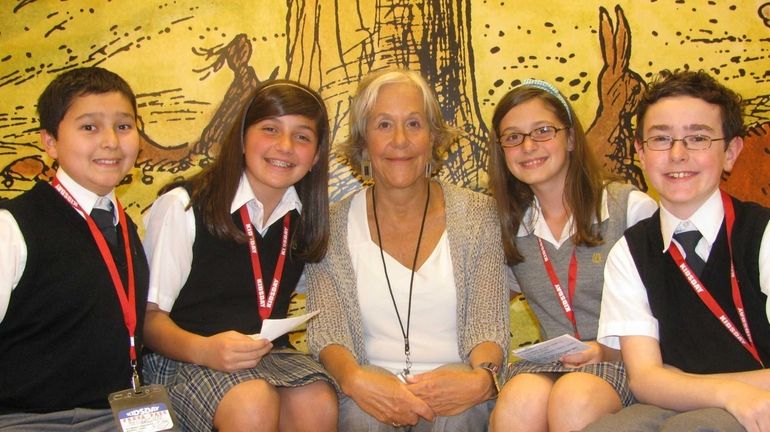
[[612, 372], [195, 391]]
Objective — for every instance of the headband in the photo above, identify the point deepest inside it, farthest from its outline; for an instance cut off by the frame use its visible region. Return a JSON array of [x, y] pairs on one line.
[[275, 84], [296, 86], [550, 89]]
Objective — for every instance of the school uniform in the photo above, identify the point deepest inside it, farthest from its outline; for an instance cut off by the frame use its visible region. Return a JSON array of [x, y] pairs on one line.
[[207, 286], [621, 206], [63, 342], [645, 293]]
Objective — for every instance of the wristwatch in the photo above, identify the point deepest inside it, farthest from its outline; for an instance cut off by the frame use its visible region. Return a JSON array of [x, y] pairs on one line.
[[493, 370]]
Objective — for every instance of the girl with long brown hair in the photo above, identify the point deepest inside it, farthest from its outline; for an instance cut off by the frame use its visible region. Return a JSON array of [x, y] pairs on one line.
[[226, 250], [560, 214]]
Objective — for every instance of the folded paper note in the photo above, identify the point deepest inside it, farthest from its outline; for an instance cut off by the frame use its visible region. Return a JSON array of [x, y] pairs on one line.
[[275, 328]]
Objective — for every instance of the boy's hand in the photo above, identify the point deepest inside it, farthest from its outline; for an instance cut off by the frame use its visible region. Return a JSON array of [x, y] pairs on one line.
[[231, 351], [750, 406]]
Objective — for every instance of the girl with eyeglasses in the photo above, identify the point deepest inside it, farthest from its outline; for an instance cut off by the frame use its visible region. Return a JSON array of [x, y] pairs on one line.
[[560, 214]]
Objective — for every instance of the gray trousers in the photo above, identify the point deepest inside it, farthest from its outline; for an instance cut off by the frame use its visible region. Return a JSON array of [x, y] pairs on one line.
[[649, 418], [75, 420]]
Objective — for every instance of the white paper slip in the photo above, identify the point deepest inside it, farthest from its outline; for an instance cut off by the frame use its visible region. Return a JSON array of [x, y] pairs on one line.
[[275, 328], [551, 350]]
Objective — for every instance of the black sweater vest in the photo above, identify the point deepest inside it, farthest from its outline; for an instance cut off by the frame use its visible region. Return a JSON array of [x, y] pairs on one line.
[[220, 294], [63, 343], [691, 337]]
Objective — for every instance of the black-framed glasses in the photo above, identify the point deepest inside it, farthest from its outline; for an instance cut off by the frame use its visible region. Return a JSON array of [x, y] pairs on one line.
[[691, 142], [540, 134]]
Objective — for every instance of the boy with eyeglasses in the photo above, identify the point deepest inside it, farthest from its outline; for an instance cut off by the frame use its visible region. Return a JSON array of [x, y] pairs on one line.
[[686, 291]]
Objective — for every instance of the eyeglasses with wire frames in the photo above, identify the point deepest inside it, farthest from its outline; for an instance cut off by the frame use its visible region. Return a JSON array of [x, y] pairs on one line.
[[691, 142], [540, 134]]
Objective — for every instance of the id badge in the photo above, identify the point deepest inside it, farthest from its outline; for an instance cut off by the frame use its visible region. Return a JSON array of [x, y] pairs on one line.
[[147, 410]]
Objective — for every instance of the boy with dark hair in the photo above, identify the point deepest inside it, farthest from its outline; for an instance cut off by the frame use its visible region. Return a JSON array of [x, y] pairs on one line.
[[73, 275], [686, 291]]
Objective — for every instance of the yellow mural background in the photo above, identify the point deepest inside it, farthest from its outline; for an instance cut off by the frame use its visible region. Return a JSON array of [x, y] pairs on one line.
[[153, 43], [167, 51]]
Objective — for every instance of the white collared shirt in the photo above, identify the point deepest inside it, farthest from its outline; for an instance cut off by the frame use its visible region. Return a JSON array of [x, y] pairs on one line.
[[640, 206], [170, 234], [707, 219], [13, 254], [625, 307]]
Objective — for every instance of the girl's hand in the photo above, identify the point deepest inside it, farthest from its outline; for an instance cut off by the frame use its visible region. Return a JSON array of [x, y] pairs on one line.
[[231, 351], [591, 355]]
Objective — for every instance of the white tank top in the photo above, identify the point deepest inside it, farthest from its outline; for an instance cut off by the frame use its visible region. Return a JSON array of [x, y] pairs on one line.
[[433, 329]]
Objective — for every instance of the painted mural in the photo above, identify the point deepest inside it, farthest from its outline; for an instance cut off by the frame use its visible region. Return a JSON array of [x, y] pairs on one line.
[[193, 63]]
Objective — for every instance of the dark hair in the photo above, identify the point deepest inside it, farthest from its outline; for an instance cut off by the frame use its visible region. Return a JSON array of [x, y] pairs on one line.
[[213, 189], [583, 185], [58, 96], [699, 85]]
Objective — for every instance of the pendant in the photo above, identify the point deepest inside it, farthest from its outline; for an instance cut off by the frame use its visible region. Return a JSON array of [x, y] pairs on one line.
[[407, 353]]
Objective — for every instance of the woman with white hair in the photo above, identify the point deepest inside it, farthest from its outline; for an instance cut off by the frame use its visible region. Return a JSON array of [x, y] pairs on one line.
[[413, 319]]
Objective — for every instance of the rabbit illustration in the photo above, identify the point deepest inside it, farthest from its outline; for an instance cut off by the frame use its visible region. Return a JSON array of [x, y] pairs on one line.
[[611, 132]]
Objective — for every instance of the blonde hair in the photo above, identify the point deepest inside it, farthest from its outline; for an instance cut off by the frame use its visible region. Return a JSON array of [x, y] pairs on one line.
[[442, 134]]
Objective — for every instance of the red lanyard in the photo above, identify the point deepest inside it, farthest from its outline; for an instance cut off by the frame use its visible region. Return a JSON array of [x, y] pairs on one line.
[[127, 302], [265, 302], [566, 302], [708, 299]]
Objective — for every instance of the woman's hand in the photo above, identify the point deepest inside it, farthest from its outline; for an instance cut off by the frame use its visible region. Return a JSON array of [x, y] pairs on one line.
[[231, 351], [451, 391], [387, 399], [376, 391], [594, 354]]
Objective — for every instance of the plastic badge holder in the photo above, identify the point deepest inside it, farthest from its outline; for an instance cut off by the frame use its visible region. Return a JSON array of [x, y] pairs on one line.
[[148, 410]]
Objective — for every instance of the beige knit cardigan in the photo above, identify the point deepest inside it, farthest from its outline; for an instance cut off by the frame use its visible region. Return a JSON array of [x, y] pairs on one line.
[[480, 277]]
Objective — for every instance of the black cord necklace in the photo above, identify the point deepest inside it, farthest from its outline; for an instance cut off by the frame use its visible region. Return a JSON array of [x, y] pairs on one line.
[[404, 332]]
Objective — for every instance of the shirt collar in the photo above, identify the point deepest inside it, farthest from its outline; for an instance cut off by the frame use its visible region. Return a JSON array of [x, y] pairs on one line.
[[707, 219], [85, 198], [244, 195], [532, 219]]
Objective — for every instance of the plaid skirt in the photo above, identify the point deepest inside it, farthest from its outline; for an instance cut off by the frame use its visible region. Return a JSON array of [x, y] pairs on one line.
[[195, 391], [612, 372]]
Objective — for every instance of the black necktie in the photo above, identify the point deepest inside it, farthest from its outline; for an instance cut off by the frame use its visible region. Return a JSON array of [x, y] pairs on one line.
[[688, 240], [103, 218]]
